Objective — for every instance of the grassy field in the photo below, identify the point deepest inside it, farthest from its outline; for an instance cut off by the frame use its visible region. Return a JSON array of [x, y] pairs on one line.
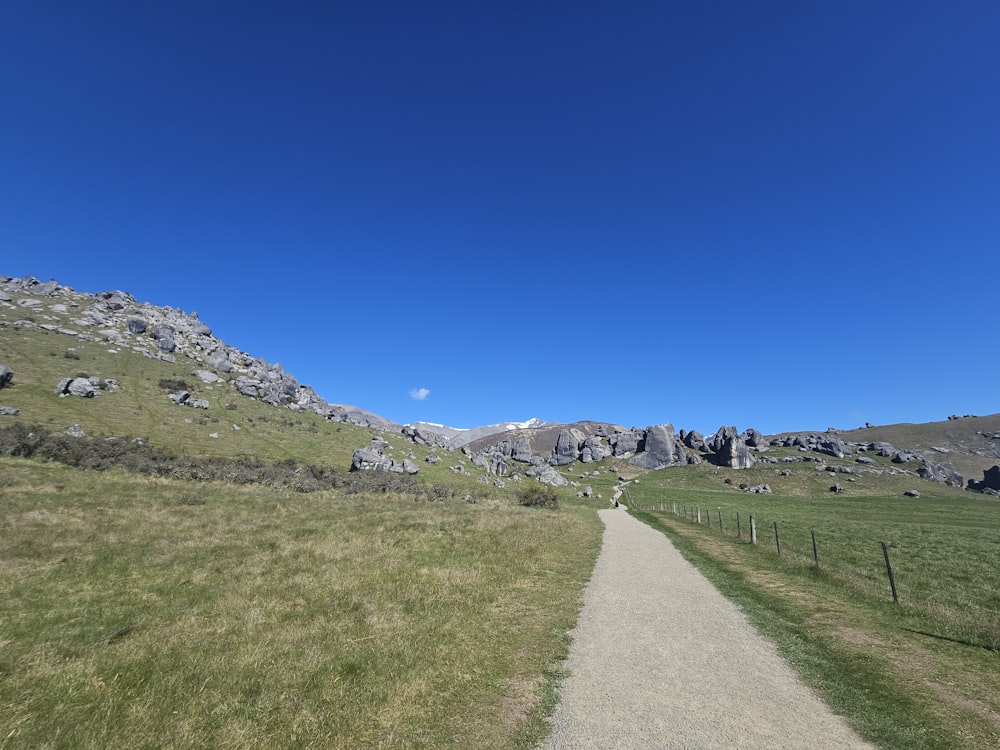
[[141, 612], [155, 613], [923, 673]]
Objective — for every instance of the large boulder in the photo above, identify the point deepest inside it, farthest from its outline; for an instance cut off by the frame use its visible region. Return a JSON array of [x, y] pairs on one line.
[[219, 360], [730, 449], [164, 335], [520, 450], [81, 387], [594, 449], [754, 438], [833, 447], [660, 448], [567, 448], [625, 444], [990, 481], [694, 440], [136, 324], [6, 375], [550, 476]]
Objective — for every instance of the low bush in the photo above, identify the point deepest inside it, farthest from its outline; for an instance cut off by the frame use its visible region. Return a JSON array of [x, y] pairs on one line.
[[101, 454], [540, 496]]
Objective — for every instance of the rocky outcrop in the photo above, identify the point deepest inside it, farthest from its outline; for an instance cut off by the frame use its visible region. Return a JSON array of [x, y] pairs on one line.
[[626, 444], [941, 473], [567, 448], [990, 483], [694, 440], [547, 475], [169, 334], [372, 458], [660, 449], [730, 450]]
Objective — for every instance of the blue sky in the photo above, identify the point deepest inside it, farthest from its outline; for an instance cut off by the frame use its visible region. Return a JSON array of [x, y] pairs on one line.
[[781, 215]]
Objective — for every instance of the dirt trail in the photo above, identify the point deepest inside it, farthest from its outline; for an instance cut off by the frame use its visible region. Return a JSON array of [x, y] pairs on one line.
[[660, 659]]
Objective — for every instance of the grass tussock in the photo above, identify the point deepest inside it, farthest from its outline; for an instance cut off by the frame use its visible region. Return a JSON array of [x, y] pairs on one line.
[[135, 609]]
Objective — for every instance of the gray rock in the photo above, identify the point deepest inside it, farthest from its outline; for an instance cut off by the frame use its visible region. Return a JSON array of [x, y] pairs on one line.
[[754, 438], [410, 467], [180, 397], [81, 387], [8, 411], [912, 493], [136, 324], [625, 444], [550, 476], [730, 450], [695, 441], [866, 460], [567, 448], [837, 488], [833, 447], [369, 459], [164, 336], [521, 450], [6, 375], [990, 482], [76, 430], [433, 460], [219, 360], [941, 473], [206, 376], [595, 447], [839, 469], [659, 449], [760, 489]]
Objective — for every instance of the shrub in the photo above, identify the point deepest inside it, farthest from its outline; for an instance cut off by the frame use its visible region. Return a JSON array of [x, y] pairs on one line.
[[539, 496]]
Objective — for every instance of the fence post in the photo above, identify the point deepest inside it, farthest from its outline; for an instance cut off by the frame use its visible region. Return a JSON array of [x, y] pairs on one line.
[[699, 514], [777, 540], [815, 551], [888, 567], [739, 529], [720, 519], [753, 530]]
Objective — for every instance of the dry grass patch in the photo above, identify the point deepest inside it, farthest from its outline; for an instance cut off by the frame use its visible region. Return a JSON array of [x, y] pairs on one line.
[[269, 618]]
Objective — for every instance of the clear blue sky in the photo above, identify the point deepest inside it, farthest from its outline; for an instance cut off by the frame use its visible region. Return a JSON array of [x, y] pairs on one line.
[[781, 215]]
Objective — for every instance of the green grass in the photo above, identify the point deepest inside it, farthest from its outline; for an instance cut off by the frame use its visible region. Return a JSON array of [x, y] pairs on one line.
[[923, 673], [138, 613]]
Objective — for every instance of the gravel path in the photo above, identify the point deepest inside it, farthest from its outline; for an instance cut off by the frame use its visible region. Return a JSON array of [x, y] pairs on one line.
[[660, 659]]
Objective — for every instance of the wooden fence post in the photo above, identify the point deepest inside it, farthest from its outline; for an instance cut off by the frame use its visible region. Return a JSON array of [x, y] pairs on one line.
[[888, 567], [753, 530], [739, 529], [815, 551], [777, 539]]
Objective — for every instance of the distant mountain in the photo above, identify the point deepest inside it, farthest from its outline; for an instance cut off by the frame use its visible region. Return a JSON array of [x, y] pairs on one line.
[[458, 436]]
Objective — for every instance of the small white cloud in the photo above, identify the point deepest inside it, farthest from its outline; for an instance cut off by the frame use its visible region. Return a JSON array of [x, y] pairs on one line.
[[419, 394]]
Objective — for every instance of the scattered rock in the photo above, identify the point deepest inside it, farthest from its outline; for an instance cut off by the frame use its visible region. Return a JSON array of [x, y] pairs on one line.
[[912, 493], [8, 411], [76, 430], [6, 375]]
